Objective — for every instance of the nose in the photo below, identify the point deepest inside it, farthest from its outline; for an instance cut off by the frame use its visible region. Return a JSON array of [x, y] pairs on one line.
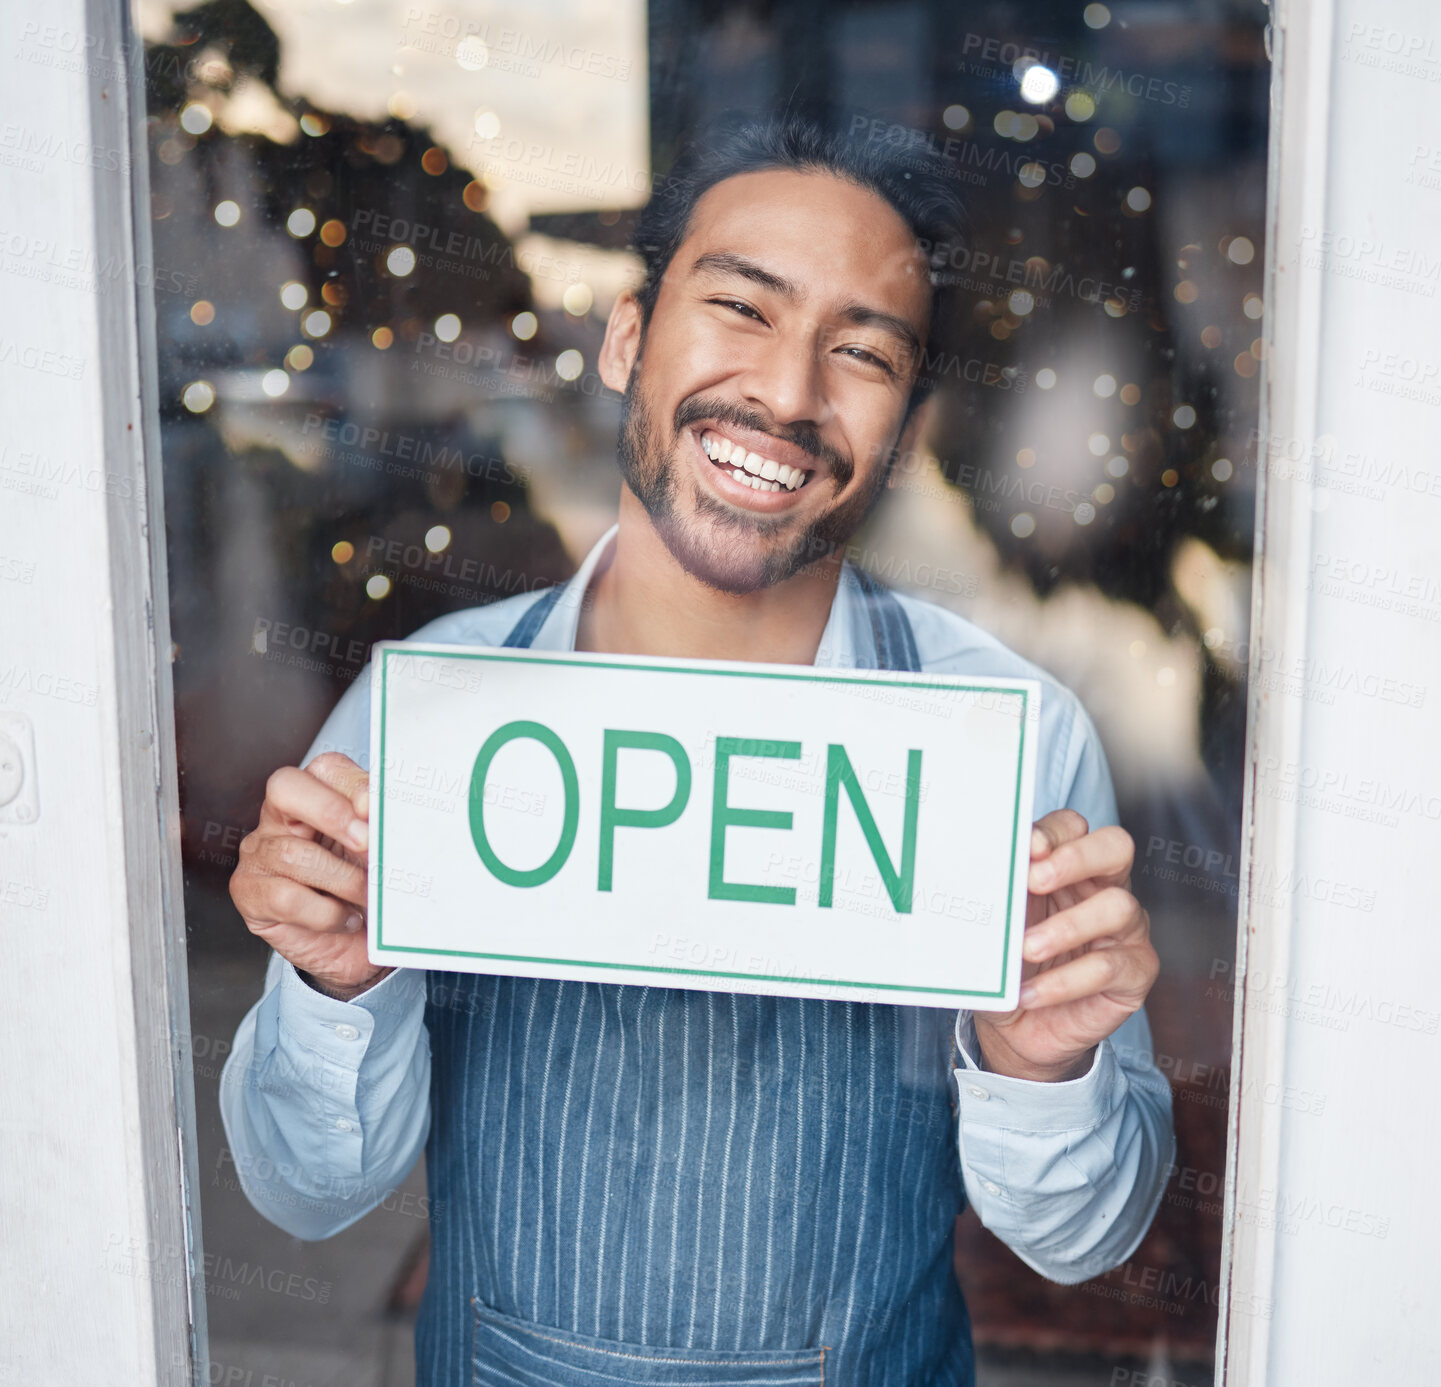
[[784, 378]]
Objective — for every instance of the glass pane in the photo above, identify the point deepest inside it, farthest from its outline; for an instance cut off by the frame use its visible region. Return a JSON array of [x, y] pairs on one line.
[[387, 239]]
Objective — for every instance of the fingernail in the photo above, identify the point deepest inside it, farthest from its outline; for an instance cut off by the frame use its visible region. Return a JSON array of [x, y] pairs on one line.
[[359, 834], [362, 800], [354, 924], [1028, 995], [1036, 946], [1039, 842], [1042, 874]]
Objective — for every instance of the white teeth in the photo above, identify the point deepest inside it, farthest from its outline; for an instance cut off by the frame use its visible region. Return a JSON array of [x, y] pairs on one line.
[[757, 472]]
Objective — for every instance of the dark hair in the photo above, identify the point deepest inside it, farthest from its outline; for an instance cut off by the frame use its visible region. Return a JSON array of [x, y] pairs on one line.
[[911, 177]]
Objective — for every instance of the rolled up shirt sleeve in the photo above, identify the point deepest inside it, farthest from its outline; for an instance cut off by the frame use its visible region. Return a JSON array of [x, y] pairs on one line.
[[326, 1104], [1068, 1175]]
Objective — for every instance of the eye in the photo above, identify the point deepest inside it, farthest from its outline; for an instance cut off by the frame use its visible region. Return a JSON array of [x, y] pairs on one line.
[[869, 358], [738, 306]]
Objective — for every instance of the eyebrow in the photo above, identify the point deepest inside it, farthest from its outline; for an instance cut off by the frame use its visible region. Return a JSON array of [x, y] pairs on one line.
[[727, 262], [857, 314]]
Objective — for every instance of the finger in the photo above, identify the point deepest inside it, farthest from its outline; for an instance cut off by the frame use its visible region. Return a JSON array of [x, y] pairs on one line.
[[1113, 914], [305, 861], [1057, 827], [341, 773], [1107, 853], [268, 903], [300, 796], [1122, 974]]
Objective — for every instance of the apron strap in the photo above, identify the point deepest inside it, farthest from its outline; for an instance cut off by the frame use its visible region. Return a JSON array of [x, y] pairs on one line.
[[895, 641], [533, 618]]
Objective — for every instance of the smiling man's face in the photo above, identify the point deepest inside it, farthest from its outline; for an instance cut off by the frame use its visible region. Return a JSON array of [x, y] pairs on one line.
[[761, 415]]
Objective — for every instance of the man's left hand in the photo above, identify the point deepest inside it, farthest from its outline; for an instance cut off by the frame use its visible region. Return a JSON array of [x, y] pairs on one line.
[[1088, 957]]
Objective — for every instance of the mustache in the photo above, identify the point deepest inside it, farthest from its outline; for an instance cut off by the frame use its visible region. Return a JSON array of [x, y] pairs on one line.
[[702, 407]]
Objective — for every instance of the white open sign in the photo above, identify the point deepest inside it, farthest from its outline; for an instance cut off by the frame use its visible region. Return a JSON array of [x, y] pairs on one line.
[[781, 829]]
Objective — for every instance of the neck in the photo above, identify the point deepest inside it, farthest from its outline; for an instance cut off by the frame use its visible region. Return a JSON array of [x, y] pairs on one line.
[[644, 603]]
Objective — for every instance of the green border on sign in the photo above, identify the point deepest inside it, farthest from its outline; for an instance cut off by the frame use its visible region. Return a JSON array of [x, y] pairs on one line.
[[417, 651]]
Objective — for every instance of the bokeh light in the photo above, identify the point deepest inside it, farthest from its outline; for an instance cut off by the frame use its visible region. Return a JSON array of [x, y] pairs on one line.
[[196, 119]]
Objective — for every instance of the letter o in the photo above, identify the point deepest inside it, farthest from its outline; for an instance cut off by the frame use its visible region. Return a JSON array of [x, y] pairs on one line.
[[510, 732]]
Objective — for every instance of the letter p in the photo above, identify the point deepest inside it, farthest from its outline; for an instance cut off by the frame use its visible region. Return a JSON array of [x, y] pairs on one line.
[[613, 817]]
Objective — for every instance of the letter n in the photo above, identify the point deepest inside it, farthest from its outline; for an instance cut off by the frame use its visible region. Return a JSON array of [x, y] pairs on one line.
[[900, 885]]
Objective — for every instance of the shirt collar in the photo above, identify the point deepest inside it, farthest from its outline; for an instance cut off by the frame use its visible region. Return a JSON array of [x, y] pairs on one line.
[[848, 642]]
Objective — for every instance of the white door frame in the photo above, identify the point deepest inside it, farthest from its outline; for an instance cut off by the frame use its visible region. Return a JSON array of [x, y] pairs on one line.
[[99, 1216], [1328, 1265]]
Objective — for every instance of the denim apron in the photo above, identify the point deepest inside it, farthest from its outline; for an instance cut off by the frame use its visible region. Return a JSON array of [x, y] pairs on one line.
[[700, 1189]]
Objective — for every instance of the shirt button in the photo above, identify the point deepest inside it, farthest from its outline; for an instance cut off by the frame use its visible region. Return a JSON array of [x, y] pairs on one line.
[[344, 1124], [991, 1187], [976, 1091], [347, 1032]]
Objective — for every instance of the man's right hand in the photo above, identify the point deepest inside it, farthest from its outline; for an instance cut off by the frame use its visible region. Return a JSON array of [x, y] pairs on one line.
[[301, 882]]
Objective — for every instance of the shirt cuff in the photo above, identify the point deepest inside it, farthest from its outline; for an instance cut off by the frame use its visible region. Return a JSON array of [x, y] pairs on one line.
[[341, 1032], [1033, 1106]]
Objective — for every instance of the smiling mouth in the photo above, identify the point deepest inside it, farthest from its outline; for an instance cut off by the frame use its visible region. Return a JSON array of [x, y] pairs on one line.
[[754, 470]]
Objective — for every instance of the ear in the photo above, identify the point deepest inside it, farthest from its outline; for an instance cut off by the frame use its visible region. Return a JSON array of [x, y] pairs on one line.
[[622, 342]]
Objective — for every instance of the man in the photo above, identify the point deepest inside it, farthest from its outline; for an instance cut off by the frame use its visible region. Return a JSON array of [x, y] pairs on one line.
[[641, 1184]]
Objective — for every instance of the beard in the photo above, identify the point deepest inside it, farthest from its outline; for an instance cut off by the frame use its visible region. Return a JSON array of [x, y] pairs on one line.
[[722, 546]]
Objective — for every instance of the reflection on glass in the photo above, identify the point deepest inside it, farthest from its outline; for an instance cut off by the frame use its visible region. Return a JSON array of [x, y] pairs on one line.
[[387, 237]]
